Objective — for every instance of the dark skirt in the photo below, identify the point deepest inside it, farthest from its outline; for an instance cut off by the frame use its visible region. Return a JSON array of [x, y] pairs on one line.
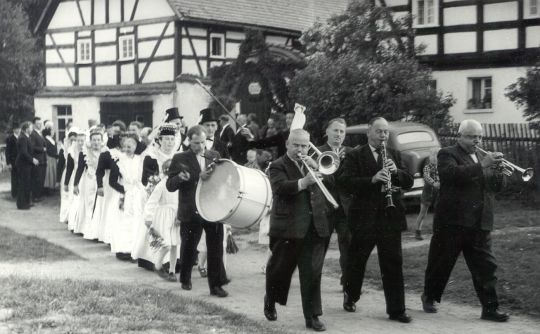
[[430, 195]]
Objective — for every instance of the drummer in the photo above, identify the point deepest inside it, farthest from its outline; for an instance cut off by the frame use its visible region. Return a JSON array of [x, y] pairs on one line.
[[209, 120], [186, 167]]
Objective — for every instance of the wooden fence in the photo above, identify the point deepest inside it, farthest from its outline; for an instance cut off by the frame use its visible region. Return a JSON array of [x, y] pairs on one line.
[[519, 143]]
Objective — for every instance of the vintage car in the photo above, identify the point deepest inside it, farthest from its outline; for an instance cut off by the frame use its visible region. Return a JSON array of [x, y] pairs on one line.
[[413, 141]]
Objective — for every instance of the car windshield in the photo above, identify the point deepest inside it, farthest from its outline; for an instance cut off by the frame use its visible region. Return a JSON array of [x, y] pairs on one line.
[[414, 137]]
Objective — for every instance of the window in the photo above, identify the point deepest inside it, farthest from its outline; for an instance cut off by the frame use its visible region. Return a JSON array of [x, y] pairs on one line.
[[531, 8], [479, 93], [126, 51], [84, 51], [217, 45], [414, 137], [63, 116], [425, 13]]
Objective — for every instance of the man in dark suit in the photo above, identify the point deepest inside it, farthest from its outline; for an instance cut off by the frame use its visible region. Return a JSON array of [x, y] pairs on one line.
[[209, 120], [226, 133], [186, 167], [135, 128], [40, 153], [239, 144], [24, 164], [365, 176], [298, 232], [335, 135], [11, 156], [464, 219], [278, 140]]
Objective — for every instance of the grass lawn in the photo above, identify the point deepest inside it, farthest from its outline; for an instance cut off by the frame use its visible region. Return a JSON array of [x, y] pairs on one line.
[[518, 259], [67, 306], [15, 247]]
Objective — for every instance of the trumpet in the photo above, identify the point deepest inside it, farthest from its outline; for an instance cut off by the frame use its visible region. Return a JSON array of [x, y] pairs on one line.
[[321, 185], [328, 161], [509, 168], [388, 190]]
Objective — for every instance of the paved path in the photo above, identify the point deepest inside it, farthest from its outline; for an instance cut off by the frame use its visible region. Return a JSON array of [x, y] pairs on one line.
[[247, 287]]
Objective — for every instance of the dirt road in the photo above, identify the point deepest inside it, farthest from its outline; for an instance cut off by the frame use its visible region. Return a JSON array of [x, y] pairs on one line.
[[247, 286]]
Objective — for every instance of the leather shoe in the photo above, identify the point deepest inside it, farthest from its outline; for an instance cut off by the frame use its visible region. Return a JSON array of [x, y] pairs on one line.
[[186, 286], [403, 317], [316, 324], [428, 304], [270, 309], [219, 292], [494, 315], [348, 304]]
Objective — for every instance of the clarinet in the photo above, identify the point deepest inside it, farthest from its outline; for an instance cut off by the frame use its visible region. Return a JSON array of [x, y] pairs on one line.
[[388, 185]]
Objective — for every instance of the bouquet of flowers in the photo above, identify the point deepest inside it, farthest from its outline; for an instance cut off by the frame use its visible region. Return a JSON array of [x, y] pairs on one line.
[[152, 183], [156, 241]]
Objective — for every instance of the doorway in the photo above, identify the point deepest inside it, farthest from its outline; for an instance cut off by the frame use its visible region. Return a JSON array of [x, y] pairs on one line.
[[127, 112]]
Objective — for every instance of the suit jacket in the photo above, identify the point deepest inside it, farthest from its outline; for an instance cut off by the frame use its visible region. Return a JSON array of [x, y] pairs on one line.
[[294, 210], [24, 152], [187, 209], [11, 149], [220, 147], [226, 135], [140, 147], [38, 143], [239, 148], [355, 177], [467, 190], [278, 140]]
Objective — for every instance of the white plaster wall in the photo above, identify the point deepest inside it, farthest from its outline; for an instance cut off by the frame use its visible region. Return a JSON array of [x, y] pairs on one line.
[[429, 42], [236, 35], [158, 71], [232, 49], [161, 103], [532, 39], [99, 11], [128, 8], [390, 3], [83, 108], [66, 15], [504, 11], [459, 15], [127, 74], [105, 53], [199, 45], [154, 30], [105, 35], [85, 76], [460, 42], [148, 9], [52, 56], [190, 99], [106, 75], [114, 11], [86, 11], [166, 48], [503, 111], [58, 77], [195, 32], [502, 39]]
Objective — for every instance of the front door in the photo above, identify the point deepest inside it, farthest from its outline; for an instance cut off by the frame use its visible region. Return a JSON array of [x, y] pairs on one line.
[[127, 112]]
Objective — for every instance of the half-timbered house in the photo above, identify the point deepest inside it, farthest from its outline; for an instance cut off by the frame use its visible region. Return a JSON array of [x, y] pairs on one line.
[[132, 59], [476, 48]]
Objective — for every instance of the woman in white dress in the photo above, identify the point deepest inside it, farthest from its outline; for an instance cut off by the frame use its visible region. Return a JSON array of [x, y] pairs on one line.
[[131, 201], [160, 218], [66, 193], [155, 156], [71, 166]]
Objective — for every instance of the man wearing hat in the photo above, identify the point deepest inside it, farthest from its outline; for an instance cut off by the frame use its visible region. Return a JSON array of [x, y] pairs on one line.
[[173, 117], [209, 120]]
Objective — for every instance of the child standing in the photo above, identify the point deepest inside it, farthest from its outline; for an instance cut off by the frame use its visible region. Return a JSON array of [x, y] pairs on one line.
[[160, 218], [430, 191]]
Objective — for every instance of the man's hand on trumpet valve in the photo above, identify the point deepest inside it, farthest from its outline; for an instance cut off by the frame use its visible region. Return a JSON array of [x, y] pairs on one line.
[[382, 176], [492, 159]]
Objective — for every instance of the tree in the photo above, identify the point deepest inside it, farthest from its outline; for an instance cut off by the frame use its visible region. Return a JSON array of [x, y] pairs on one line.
[[525, 93], [362, 64], [20, 73]]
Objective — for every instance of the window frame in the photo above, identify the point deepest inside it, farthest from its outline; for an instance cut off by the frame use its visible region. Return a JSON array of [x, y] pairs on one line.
[[67, 116], [83, 43], [221, 36], [482, 105], [415, 10], [121, 40], [528, 5]]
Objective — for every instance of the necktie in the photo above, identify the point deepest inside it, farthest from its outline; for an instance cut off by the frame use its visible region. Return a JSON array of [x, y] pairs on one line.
[[379, 157]]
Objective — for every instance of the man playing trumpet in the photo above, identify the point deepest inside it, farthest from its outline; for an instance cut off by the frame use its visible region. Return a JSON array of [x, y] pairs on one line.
[[365, 175], [298, 231], [464, 219]]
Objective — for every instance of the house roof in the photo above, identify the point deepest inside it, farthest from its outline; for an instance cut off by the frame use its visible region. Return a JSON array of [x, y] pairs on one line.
[[108, 91], [292, 15]]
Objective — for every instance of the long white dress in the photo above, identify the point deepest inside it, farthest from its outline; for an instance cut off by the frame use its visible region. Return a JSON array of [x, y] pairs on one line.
[[161, 209], [90, 227], [141, 246], [134, 197], [103, 204]]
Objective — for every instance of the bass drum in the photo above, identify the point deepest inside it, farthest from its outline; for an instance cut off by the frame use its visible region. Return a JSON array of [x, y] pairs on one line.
[[234, 194]]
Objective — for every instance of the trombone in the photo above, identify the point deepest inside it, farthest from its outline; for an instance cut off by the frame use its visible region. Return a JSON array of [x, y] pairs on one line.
[[509, 168], [328, 161], [321, 185]]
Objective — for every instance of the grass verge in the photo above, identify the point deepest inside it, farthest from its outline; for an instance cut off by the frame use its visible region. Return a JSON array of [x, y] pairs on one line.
[[518, 259], [67, 306], [15, 247]]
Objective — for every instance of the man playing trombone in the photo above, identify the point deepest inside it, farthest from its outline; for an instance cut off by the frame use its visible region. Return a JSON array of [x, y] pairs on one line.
[[376, 218], [464, 219], [298, 230]]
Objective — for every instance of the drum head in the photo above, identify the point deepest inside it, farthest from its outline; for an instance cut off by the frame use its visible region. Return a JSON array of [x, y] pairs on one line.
[[218, 196]]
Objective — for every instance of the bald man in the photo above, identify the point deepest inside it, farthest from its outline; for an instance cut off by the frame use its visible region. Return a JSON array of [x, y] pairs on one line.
[[464, 219], [298, 232]]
